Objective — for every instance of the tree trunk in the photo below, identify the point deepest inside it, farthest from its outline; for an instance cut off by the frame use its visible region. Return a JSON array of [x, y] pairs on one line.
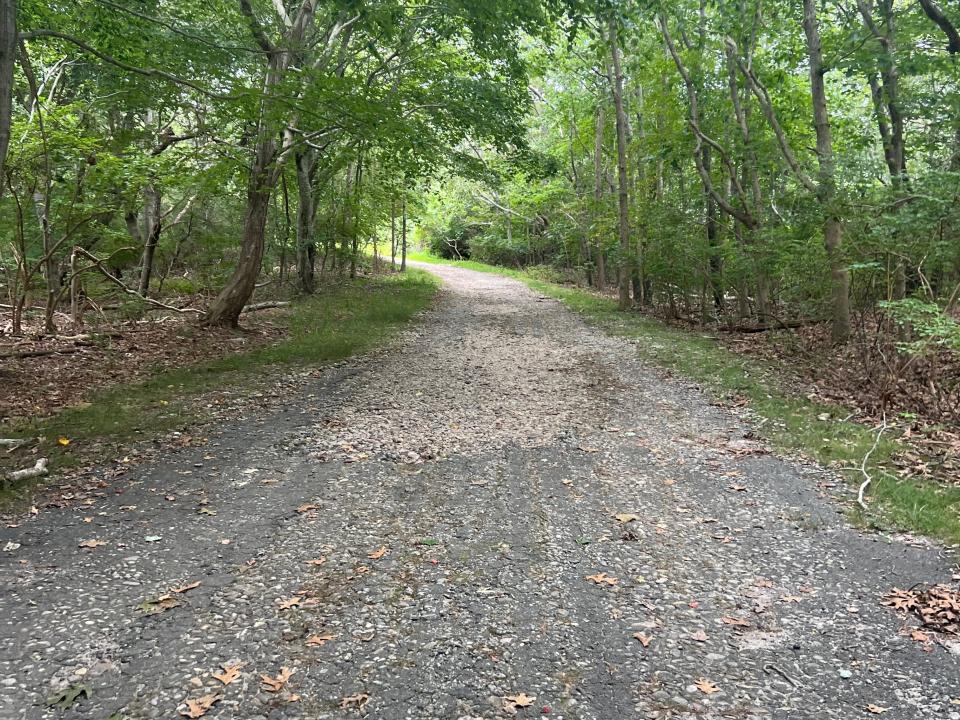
[[826, 190], [306, 244], [598, 197], [8, 55], [626, 252], [714, 259], [393, 234], [403, 234], [225, 309], [153, 226]]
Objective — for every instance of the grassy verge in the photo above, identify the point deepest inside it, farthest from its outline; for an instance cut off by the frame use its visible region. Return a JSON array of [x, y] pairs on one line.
[[788, 421], [337, 322]]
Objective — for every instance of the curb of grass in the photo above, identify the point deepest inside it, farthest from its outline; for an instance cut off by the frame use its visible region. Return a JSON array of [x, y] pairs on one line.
[[338, 322], [790, 422]]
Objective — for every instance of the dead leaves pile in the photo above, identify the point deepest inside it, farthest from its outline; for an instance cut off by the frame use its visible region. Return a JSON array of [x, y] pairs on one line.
[[937, 607]]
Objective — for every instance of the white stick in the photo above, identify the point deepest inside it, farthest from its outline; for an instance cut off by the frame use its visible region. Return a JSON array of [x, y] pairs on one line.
[[863, 465], [36, 471]]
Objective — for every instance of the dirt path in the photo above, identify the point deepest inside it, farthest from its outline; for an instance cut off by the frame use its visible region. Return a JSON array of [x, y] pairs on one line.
[[454, 493]]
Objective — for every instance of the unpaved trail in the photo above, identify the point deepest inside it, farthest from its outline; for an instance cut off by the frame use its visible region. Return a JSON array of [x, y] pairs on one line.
[[455, 491]]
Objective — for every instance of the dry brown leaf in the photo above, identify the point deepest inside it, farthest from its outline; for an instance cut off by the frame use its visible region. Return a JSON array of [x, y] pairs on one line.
[[706, 687], [737, 488], [377, 554], [735, 621], [626, 517], [289, 602], [320, 640], [275, 684], [306, 507], [198, 707], [520, 700], [644, 639], [317, 561], [790, 598], [876, 709], [91, 543], [355, 701], [601, 579], [159, 605], [231, 673], [699, 636], [185, 588]]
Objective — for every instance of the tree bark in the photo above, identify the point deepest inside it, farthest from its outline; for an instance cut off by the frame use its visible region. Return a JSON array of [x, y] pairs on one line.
[[306, 163], [826, 186], [403, 234], [226, 308], [598, 197], [8, 55], [626, 252], [153, 226]]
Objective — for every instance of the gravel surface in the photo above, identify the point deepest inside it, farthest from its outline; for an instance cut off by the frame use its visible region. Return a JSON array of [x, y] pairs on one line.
[[458, 494]]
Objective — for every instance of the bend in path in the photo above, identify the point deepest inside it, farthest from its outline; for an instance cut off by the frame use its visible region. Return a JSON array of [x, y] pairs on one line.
[[455, 492]]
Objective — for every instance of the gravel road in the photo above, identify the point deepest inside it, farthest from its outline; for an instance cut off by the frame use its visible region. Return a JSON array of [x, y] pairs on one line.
[[502, 514]]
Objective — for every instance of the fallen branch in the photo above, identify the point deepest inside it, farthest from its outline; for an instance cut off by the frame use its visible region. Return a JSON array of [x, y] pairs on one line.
[[265, 305], [40, 468], [863, 465], [43, 353], [129, 291]]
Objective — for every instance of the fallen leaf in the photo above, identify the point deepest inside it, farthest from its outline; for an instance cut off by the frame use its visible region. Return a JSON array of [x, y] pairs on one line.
[[790, 598], [88, 519], [644, 639], [320, 640], [377, 554], [920, 636], [706, 687], [737, 488], [289, 602], [271, 684], [317, 561], [626, 517], [293, 698], [520, 700], [735, 621], [63, 441], [306, 507], [230, 673], [876, 709], [65, 699], [204, 510], [699, 636], [601, 578], [185, 588], [91, 543], [198, 707], [159, 605], [355, 701]]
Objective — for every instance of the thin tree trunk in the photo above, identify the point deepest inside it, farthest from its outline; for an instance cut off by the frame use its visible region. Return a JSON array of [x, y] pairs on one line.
[[626, 252], [153, 226], [393, 234], [306, 244], [403, 234], [826, 190], [8, 55], [598, 197]]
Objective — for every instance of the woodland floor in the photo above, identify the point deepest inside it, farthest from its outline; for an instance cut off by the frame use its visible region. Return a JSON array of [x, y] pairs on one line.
[[504, 513]]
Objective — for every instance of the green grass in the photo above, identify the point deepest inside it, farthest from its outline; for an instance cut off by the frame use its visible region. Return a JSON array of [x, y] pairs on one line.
[[338, 322], [789, 421]]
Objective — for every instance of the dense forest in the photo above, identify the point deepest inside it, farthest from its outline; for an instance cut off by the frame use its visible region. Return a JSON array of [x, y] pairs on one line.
[[745, 164]]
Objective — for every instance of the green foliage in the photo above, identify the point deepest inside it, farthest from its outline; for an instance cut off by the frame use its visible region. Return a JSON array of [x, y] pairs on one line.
[[927, 323]]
